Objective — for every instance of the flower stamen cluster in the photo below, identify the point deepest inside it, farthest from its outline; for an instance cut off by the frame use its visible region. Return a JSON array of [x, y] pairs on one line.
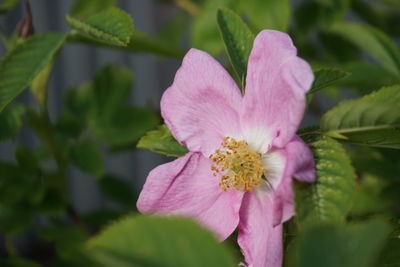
[[237, 165]]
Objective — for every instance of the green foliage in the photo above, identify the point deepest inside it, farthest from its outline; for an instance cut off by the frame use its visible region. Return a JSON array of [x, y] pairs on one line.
[[331, 226], [117, 190], [374, 42], [161, 141], [102, 107], [142, 42], [366, 77], [101, 217], [112, 120], [39, 84], [86, 8], [329, 199], [68, 242], [326, 77], [372, 120], [111, 26], [205, 33], [238, 40], [272, 14], [7, 5], [355, 245], [10, 121], [87, 156], [156, 241], [18, 262], [20, 66], [390, 255]]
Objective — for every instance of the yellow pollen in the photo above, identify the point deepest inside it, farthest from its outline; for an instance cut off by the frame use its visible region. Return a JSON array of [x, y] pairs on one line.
[[237, 165]]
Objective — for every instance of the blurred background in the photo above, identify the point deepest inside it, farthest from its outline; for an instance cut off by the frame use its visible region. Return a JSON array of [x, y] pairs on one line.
[[102, 189], [77, 64]]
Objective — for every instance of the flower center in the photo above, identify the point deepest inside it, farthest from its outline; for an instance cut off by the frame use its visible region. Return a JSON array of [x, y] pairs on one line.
[[237, 165]]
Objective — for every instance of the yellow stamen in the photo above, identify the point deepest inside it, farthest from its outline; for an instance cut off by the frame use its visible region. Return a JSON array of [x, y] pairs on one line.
[[237, 165]]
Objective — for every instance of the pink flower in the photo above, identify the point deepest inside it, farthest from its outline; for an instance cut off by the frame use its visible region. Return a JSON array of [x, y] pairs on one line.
[[243, 149]]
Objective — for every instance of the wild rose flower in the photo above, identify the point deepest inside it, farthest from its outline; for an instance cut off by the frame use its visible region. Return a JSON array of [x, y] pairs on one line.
[[243, 149]]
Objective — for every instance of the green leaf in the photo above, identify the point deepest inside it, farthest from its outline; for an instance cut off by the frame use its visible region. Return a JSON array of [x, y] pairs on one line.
[[372, 120], [111, 26], [85, 8], [366, 77], [372, 41], [161, 141], [238, 40], [356, 245], [7, 5], [127, 125], [112, 120], [140, 43], [158, 241], [10, 121], [329, 199], [101, 217], [21, 65], [390, 255], [88, 157], [325, 78], [271, 14], [117, 190], [205, 32], [68, 241], [112, 87], [39, 84]]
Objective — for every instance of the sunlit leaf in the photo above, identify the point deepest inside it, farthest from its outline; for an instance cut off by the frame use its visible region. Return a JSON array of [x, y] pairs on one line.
[[162, 141]]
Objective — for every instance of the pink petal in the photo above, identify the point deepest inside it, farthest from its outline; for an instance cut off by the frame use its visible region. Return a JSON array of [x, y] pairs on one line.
[[276, 83], [260, 241], [301, 161], [299, 164], [201, 106], [283, 201], [187, 187]]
